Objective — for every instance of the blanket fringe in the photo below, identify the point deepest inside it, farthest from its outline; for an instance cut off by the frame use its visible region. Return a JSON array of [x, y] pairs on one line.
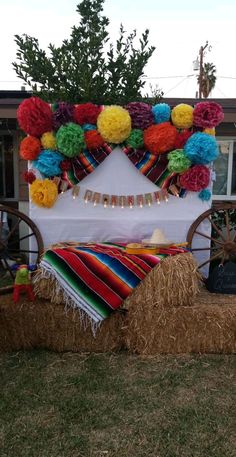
[[47, 286]]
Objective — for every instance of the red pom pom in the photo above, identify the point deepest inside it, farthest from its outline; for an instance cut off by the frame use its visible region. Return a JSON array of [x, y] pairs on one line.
[[65, 165], [29, 177], [30, 148], [34, 116], [86, 113], [195, 179], [181, 139], [160, 138], [93, 139], [207, 114]]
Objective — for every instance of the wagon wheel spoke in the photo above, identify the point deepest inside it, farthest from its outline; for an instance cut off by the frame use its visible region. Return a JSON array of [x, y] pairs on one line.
[[214, 257], [227, 224], [13, 229], [23, 250], [20, 239], [209, 237], [8, 268], [216, 228]]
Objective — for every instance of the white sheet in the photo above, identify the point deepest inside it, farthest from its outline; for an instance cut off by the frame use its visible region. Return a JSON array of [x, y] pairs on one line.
[[75, 220]]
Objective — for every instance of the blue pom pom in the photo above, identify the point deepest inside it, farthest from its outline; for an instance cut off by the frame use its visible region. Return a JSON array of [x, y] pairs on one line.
[[48, 163], [201, 148], [205, 195], [161, 113], [87, 127]]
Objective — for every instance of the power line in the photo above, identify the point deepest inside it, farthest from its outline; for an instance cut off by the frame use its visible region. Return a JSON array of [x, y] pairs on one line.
[[176, 85]]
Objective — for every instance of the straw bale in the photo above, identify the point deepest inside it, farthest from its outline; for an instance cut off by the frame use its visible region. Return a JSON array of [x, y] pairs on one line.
[[43, 324]]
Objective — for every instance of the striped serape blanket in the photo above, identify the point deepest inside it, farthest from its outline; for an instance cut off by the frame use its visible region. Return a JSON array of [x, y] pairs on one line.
[[97, 277]]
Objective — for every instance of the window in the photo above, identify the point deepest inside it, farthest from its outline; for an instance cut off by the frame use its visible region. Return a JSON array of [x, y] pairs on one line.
[[224, 187], [8, 165]]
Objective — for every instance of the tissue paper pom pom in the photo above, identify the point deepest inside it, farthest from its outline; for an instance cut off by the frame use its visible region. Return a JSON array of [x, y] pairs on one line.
[[48, 163], [62, 114], [93, 139], [87, 127], [48, 140], [65, 165], [141, 115], [114, 124], [201, 148], [160, 138], [181, 138], [182, 116], [205, 195], [30, 148], [86, 113], [34, 116], [161, 113], [210, 131], [70, 139], [196, 178], [135, 139], [207, 114], [29, 177], [43, 192], [178, 161]]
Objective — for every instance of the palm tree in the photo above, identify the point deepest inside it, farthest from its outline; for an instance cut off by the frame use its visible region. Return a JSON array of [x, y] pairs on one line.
[[208, 79]]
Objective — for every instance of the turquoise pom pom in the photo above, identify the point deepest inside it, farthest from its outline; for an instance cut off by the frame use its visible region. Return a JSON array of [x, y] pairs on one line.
[[201, 148], [161, 113], [48, 163], [87, 127], [205, 195]]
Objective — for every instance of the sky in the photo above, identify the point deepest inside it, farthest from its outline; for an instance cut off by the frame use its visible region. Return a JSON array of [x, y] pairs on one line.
[[177, 29]]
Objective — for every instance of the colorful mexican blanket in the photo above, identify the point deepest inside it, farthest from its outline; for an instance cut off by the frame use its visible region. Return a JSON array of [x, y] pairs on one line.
[[98, 277]]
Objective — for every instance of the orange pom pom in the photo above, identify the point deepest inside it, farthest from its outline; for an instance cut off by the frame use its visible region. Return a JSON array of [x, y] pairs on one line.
[[30, 148], [160, 138], [93, 139]]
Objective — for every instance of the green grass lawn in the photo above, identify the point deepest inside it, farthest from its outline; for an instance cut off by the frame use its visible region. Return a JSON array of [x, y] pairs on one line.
[[74, 405]]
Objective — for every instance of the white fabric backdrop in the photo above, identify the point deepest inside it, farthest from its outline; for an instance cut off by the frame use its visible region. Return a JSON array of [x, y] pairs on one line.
[[75, 220]]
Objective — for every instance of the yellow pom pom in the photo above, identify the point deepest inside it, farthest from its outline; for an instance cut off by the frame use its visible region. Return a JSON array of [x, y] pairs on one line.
[[43, 192], [182, 116], [210, 131], [114, 124], [48, 141]]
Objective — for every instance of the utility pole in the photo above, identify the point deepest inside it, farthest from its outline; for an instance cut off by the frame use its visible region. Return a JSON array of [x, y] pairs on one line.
[[201, 51]]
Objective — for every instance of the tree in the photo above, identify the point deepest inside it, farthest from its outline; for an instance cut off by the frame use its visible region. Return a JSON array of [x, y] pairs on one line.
[[81, 69], [208, 79]]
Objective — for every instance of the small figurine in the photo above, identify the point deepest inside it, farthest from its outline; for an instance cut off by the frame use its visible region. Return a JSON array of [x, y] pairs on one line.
[[23, 281]]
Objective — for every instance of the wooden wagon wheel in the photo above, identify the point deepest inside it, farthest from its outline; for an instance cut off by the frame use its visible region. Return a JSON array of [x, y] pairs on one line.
[[222, 238], [16, 229]]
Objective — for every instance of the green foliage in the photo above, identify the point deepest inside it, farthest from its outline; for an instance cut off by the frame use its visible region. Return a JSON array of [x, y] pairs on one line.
[[81, 69]]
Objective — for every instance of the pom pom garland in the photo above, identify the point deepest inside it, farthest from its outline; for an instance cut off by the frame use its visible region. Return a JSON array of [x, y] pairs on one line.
[[62, 114], [86, 113], [195, 179], [141, 115], [161, 113], [48, 163], [93, 139], [114, 124], [30, 148], [205, 195], [43, 193], [201, 148], [48, 141], [178, 161], [160, 138], [182, 116], [70, 139], [135, 139], [34, 116], [207, 114]]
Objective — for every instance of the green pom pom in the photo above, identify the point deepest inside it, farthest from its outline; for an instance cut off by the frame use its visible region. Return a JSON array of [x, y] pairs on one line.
[[70, 139], [135, 139], [178, 161]]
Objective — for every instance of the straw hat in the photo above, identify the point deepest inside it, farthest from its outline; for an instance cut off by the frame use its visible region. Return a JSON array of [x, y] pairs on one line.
[[158, 238]]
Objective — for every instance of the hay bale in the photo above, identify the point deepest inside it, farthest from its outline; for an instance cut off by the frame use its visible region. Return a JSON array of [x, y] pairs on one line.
[[43, 324]]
